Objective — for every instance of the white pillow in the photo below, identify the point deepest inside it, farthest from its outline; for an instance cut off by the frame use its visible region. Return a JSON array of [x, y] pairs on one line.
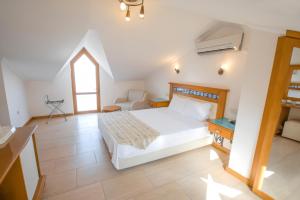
[[197, 110], [177, 104]]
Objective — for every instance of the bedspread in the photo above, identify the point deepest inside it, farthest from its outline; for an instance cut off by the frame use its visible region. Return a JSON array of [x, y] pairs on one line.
[[127, 129]]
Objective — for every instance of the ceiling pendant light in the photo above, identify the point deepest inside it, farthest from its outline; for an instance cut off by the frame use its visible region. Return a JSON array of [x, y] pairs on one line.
[[123, 6], [127, 18], [142, 12], [126, 4]]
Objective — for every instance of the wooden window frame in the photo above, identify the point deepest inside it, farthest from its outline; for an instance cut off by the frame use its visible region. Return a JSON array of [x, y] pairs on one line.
[[82, 52]]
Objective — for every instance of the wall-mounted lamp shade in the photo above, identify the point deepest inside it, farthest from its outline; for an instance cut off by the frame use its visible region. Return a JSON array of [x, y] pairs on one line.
[[127, 15], [123, 6], [142, 12]]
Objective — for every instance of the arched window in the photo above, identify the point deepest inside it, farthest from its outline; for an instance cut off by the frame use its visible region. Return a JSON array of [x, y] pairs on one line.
[[85, 83]]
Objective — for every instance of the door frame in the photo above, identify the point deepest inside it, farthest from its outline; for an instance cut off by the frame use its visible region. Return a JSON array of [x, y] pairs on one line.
[[278, 87], [82, 52]]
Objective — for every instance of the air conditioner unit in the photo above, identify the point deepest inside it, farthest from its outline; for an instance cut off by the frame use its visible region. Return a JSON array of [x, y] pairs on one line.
[[230, 42]]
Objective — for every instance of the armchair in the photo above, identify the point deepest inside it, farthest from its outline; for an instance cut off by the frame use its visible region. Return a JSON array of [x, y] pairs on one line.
[[135, 100]]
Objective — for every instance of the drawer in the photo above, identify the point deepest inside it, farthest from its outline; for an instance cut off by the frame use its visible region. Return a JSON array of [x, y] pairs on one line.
[[220, 131], [159, 104]]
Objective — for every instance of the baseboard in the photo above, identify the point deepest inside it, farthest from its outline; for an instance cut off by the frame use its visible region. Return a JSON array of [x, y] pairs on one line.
[[45, 117], [262, 194], [219, 147], [39, 188], [237, 175], [53, 116]]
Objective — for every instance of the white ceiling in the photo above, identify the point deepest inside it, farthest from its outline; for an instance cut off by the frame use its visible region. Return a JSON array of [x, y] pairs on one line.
[[37, 37], [273, 15]]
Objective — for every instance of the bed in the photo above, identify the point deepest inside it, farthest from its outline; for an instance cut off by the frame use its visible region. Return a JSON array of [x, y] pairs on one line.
[[175, 132]]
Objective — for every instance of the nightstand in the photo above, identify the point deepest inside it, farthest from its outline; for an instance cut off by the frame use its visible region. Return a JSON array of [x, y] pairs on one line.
[[221, 128], [159, 102]]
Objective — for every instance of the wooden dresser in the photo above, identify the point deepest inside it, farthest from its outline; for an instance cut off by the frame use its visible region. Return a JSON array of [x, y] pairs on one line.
[[20, 175]]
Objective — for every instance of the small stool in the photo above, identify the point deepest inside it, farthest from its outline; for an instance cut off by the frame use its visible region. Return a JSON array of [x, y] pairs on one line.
[[112, 108], [54, 106], [292, 130]]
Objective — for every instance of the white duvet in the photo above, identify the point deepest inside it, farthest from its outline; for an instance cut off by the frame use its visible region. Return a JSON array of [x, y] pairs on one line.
[[174, 129]]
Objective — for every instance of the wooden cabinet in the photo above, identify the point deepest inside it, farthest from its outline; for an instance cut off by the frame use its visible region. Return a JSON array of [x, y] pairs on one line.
[[221, 128], [20, 176], [221, 131], [29, 168]]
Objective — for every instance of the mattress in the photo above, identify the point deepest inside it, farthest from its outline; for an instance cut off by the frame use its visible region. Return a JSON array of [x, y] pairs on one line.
[[174, 130]]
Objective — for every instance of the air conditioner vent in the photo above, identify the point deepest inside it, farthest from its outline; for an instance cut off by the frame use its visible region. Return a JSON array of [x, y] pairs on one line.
[[231, 42]]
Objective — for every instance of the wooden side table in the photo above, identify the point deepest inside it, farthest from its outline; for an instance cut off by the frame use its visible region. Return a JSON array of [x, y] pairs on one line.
[[221, 128], [159, 102], [112, 108]]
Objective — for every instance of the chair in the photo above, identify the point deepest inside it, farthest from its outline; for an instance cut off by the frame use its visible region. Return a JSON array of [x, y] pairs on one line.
[[292, 130], [135, 100]]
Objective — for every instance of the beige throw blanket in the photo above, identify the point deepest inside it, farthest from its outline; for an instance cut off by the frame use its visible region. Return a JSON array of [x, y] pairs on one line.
[[126, 129]]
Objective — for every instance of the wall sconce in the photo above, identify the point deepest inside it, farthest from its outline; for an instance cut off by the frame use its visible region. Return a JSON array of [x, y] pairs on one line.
[[177, 70], [221, 71]]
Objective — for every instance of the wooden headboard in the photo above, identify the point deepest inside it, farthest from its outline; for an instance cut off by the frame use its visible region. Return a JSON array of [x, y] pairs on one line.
[[215, 95]]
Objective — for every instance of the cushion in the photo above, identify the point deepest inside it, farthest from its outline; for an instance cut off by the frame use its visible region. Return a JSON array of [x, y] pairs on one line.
[[291, 130], [197, 110], [125, 105], [135, 95], [177, 104]]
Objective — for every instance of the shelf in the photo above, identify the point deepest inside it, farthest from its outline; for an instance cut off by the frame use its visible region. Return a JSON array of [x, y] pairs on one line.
[[290, 105], [294, 88]]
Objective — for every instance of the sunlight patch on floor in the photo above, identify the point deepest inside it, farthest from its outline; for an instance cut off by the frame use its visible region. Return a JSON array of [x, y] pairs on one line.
[[213, 155], [268, 173], [214, 190]]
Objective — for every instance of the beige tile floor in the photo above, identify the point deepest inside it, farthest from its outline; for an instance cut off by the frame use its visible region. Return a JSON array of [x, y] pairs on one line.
[[283, 172], [77, 166]]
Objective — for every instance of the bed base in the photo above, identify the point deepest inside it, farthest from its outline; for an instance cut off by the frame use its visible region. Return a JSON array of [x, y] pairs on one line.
[[156, 155]]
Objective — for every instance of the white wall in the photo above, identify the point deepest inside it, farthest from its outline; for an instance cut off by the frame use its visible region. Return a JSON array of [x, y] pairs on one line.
[[4, 114], [259, 64], [204, 69], [15, 96], [247, 77], [61, 88]]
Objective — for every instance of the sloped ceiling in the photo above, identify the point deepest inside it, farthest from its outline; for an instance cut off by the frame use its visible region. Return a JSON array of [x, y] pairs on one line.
[[38, 37]]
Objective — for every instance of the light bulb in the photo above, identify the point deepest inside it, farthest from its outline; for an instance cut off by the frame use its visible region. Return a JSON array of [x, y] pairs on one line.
[[142, 12], [123, 6], [127, 18]]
